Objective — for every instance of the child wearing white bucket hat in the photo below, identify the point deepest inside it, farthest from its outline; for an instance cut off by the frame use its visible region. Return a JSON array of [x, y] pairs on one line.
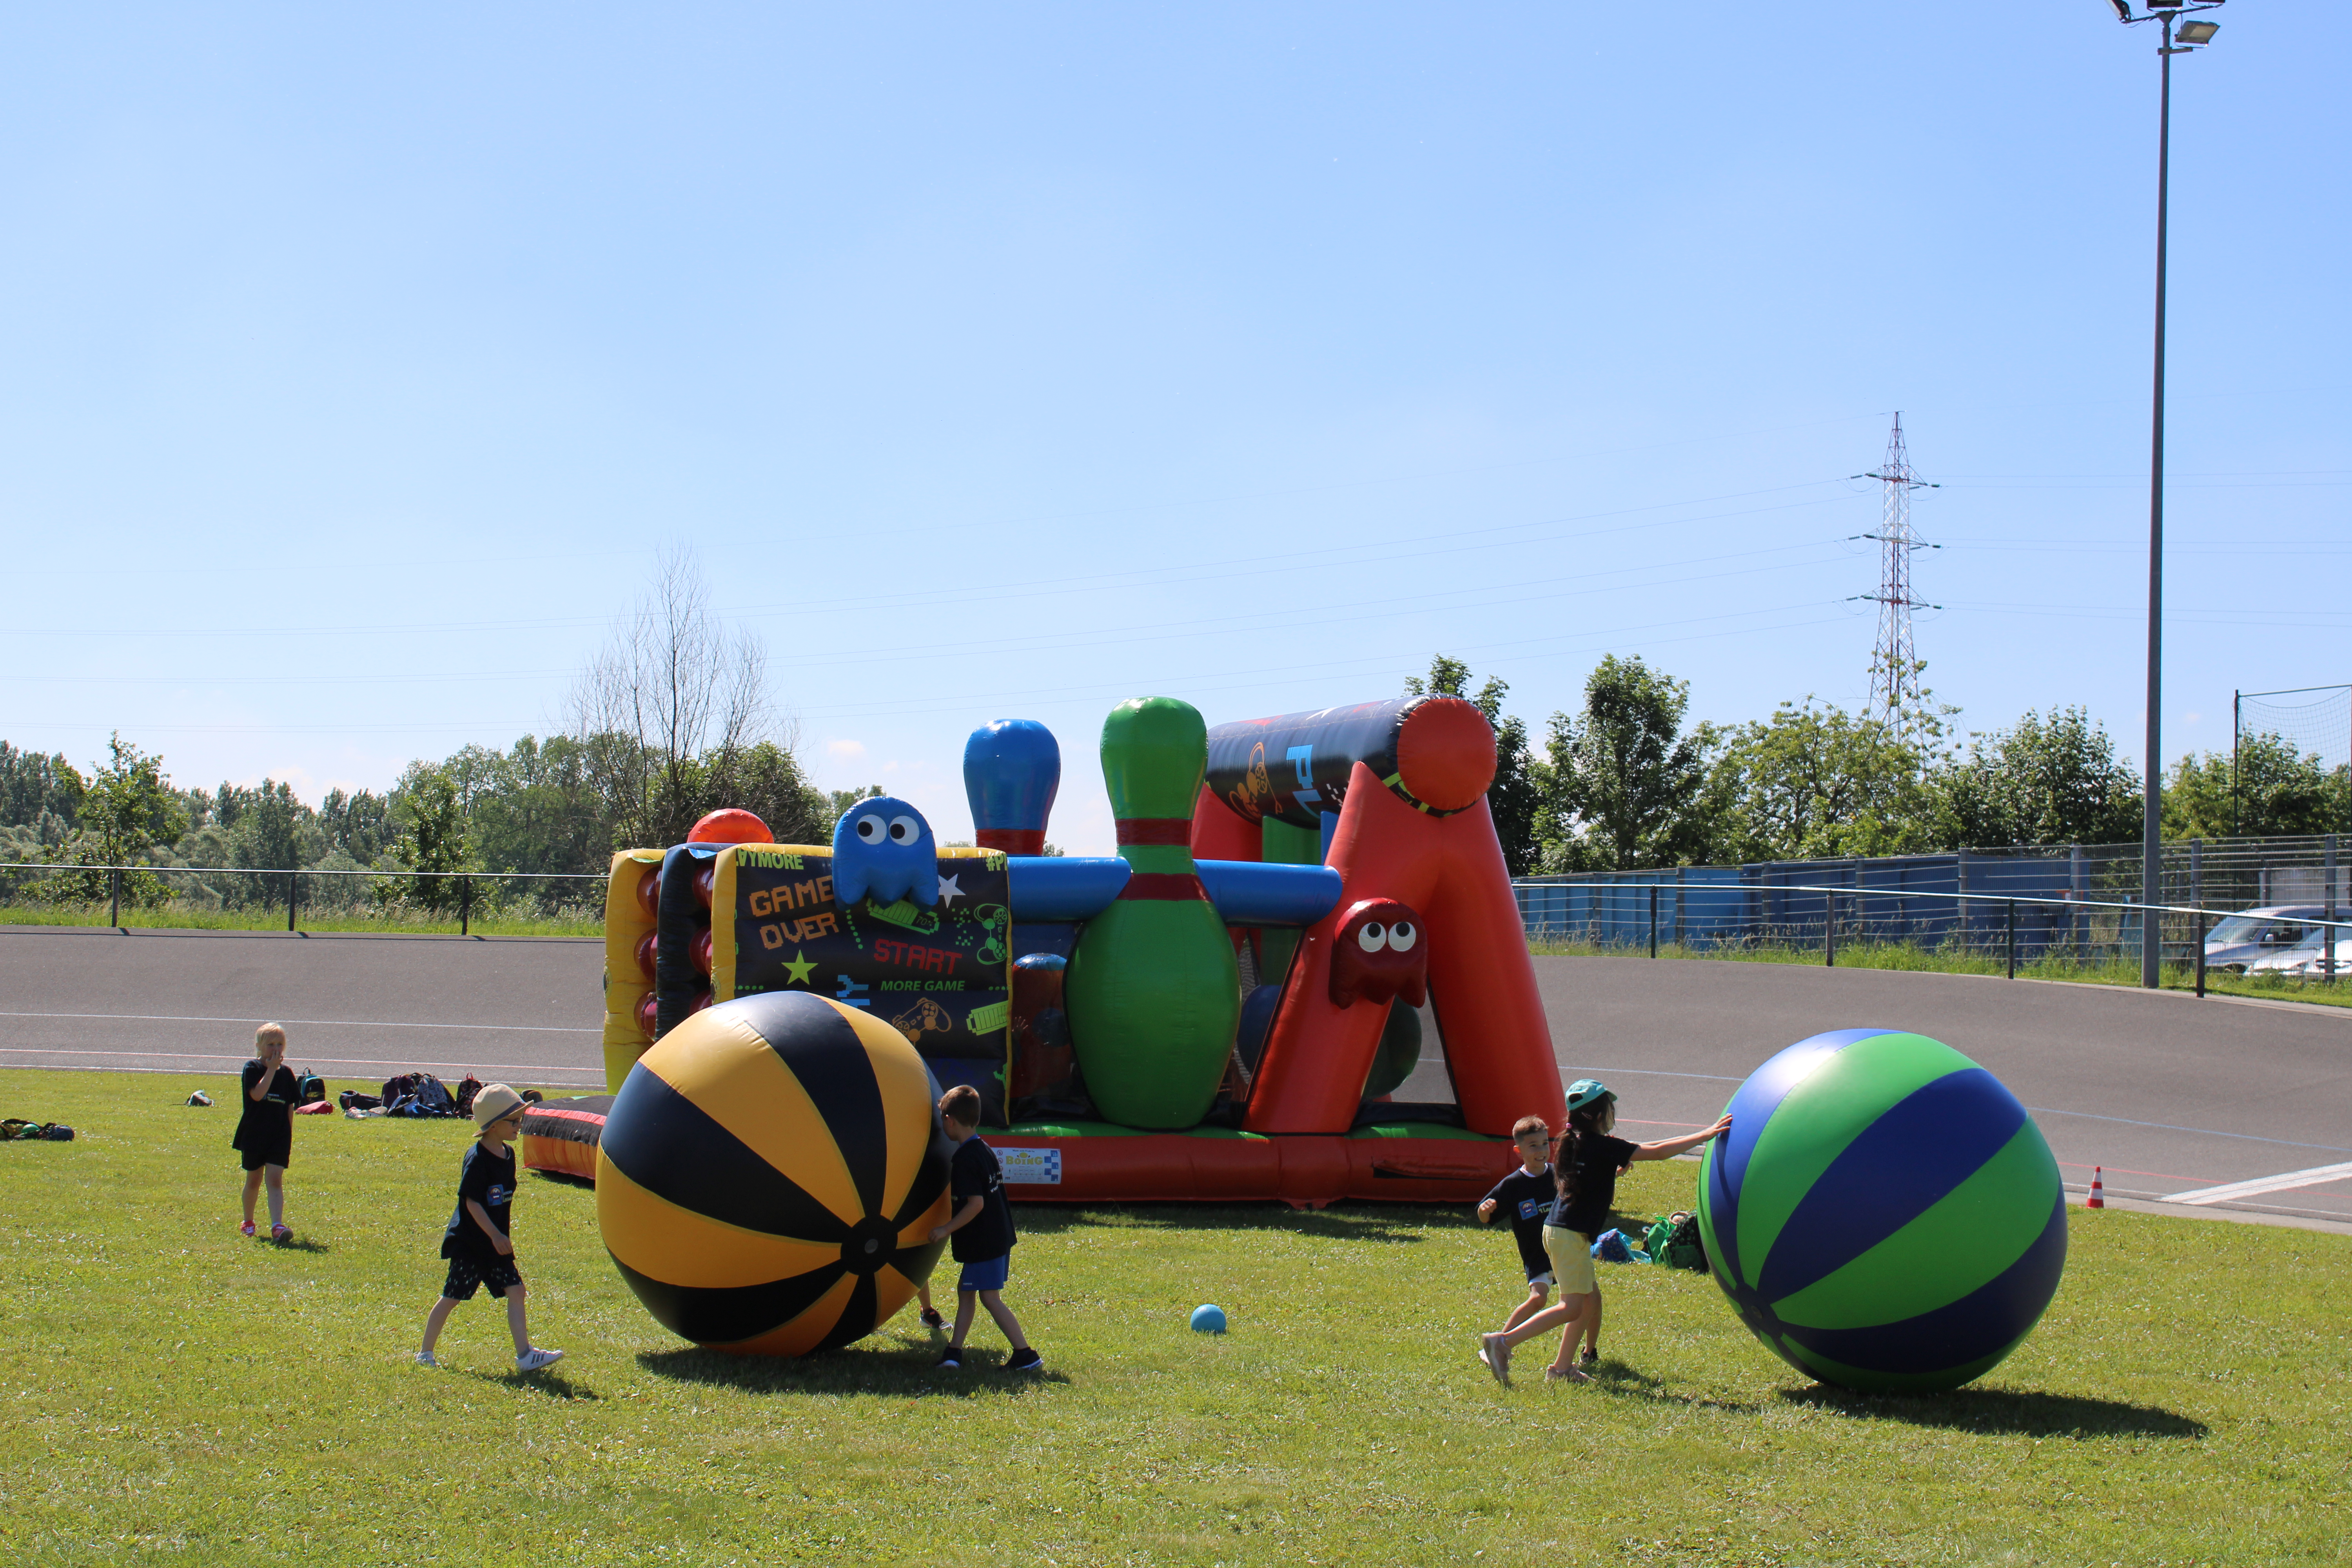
[[479, 1242]]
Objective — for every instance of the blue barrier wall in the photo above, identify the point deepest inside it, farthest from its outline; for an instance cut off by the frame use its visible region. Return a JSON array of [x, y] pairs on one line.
[[1878, 900]]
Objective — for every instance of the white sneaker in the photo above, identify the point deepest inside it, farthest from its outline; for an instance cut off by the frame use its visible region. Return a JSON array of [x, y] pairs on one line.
[[533, 1359], [425, 1358], [1496, 1356]]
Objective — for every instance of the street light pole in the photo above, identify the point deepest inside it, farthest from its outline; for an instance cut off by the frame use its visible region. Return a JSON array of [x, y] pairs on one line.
[[2151, 828], [2151, 938]]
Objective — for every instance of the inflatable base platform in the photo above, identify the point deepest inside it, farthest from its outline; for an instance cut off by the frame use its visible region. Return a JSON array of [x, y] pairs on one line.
[[1094, 1162]]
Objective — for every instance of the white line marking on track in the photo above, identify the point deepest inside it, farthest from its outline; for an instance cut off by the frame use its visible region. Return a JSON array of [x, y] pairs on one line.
[[312, 1022], [2260, 1184]]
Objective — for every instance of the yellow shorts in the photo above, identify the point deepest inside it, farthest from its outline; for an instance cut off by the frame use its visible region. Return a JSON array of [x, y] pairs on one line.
[[1571, 1252]]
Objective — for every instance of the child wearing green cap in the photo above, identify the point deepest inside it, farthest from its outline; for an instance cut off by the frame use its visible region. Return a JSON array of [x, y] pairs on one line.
[[479, 1242]]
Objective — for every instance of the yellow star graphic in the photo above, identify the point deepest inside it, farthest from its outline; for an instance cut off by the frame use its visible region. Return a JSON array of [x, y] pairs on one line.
[[798, 968]]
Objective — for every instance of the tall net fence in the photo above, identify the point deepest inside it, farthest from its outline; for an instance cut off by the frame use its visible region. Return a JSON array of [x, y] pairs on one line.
[[2314, 720], [2047, 908]]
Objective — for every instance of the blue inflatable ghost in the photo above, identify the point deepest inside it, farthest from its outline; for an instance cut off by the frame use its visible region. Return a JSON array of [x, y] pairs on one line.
[[882, 849]]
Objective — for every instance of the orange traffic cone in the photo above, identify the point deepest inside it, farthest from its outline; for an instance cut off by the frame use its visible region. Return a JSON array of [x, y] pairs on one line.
[[2098, 1198]]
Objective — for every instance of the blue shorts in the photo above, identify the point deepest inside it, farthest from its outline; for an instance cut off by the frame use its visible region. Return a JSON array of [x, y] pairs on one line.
[[988, 1274]]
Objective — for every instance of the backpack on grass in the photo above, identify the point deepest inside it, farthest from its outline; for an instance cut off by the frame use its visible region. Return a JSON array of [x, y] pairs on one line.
[[1675, 1242], [310, 1088]]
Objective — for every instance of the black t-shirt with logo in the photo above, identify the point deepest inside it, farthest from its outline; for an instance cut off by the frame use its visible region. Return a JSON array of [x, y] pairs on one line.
[[261, 1124], [490, 1180], [1598, 1157], [1525, 1197], [973, 1173]]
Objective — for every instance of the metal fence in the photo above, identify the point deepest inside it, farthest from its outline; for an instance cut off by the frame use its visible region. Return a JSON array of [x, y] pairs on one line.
[[167, 895], [2074, 903]]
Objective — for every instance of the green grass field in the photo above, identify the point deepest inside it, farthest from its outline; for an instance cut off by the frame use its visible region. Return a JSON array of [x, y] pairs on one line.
[[174, 1390]]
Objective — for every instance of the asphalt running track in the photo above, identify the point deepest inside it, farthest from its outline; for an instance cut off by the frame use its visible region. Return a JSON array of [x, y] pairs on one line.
[[2243, 1108]]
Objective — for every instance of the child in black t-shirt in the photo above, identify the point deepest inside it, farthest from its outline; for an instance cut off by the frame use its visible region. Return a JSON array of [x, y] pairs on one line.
[[479, 1242], [265, 1127], [1585, 1172], [981, 1225], [1526, 1194]]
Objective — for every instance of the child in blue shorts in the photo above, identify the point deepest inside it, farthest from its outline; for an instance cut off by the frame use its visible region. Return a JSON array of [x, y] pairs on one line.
[[982, 1229]]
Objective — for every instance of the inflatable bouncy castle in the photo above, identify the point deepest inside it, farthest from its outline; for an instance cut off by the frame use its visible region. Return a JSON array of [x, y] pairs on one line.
[[1224, 1010]]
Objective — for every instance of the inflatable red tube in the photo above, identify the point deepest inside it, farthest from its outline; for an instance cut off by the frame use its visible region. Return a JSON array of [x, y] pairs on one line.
[[1497, 1043], [1388, 1164]]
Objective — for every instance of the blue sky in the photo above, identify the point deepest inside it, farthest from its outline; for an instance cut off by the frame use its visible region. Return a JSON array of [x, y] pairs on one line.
[[1004, 361]]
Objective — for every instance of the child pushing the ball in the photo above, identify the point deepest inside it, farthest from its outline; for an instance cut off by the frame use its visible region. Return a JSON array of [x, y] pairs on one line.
[[1584, 1176], [982, 1226]]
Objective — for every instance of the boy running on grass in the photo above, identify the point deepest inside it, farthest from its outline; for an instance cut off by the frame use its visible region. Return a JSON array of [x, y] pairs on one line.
[[981, 1225], [1585, 1172], [478, 1243], [1526, 1194]]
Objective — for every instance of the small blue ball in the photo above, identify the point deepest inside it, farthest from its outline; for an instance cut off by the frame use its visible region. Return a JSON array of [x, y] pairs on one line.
[[1208, 1319]]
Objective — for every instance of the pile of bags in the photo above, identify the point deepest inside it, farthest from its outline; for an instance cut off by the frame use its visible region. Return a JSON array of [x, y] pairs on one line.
[[1674, 1240]]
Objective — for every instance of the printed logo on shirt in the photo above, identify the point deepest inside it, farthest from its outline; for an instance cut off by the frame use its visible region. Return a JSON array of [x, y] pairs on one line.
[[1530, 1207], [498, 1195]]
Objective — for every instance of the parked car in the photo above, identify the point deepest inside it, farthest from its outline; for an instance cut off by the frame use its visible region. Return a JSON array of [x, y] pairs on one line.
[[2307, 959], [2239, 940]]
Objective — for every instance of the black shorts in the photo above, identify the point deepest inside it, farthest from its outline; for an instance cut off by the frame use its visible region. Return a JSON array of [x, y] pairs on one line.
[[255, 1152], [467, 1274]]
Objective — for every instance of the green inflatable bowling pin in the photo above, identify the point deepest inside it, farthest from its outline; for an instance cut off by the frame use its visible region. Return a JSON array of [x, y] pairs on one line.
[[1152, 992]]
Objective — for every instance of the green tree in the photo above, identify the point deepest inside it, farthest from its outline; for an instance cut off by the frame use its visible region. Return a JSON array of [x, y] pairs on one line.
[[1515, 797], [432, 818], [273, 831], [839, 801], [1623, 775], [33, 787], [2051, 779], [2266, 789], [1817, 782], [767, 782], [129, 806], [361, 824]]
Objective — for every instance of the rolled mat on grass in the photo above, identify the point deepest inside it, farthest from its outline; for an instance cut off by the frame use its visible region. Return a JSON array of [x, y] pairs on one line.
[[562, 1135]]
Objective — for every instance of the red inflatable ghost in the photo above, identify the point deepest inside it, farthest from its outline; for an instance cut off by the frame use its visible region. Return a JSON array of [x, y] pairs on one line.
[[1377, 955]]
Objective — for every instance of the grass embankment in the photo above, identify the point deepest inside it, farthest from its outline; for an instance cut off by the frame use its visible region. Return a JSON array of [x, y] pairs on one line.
[[191, 916], [1906, 955], [175, 1390]]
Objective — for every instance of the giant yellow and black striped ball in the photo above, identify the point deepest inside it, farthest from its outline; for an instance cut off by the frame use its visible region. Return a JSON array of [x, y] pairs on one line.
[[770, 1174]]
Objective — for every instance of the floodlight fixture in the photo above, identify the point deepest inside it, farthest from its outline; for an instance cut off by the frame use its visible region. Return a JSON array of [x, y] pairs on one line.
[[2193, 33]]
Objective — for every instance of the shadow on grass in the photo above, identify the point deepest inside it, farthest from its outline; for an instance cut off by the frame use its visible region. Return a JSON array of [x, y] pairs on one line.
[[566, 1179], [1614, 1377], [908, 1370], [555, 1385], [2018, 1411], [301, 1243], [1340, 1222]]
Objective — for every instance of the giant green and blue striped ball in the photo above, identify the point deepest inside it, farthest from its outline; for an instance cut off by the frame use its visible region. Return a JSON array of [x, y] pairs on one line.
[[1883, 1214]]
